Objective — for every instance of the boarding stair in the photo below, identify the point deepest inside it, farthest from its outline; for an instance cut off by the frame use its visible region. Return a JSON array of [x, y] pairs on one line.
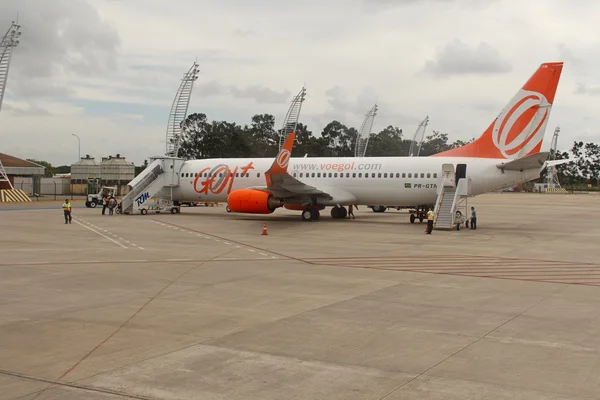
[[444, 213], [162, 173], [451, 206]]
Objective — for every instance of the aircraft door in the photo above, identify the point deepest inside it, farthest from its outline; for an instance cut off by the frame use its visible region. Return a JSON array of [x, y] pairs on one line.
[[461, 171], [448, 174]]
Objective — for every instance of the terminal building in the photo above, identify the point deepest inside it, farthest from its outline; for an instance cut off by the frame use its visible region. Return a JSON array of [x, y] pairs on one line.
[[16, 169]]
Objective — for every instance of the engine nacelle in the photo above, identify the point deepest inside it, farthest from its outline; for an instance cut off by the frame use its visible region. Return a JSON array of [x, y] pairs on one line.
[[251, 201]]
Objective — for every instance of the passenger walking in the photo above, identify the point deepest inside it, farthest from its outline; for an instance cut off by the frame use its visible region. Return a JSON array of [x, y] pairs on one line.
[[350, 212], [429, 221], [112, 203], [67, 211], [473, 218]]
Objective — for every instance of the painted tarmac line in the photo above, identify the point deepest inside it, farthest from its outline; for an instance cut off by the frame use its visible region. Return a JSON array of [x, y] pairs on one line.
[[101, 234], [33, 263]]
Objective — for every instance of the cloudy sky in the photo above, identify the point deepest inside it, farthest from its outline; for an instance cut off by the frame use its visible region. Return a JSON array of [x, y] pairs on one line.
[[108, 70]]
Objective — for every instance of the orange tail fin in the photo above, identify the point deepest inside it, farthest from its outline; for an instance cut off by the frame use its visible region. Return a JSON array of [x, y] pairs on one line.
[[519, 129]]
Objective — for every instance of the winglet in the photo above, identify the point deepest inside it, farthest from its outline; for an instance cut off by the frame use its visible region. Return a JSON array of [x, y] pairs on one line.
[[282, 160]]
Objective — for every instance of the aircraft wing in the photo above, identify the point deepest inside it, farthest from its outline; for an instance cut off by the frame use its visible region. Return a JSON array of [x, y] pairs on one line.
[[282, 184], [286, 186]]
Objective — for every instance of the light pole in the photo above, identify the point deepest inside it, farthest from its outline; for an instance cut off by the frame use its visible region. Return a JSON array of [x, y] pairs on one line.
[[78, 145]]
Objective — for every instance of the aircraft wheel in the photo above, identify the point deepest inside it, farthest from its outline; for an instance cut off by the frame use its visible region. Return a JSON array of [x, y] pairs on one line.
[[227, 209], [338, 212], [306, 215], [335, 212], [144, 211]]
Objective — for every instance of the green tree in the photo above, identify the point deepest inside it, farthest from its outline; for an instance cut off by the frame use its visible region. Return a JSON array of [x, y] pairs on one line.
[[434, 143], [195, 135], [62, 169], [50, 170], [263, 138], [140, 168], [338, 140], [388, 143]]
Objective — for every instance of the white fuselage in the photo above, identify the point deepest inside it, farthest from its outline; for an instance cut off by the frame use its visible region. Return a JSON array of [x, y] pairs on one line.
[[391, 181]]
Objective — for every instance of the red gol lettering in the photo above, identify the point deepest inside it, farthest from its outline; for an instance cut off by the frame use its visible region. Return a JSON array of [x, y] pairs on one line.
[[219, 178]]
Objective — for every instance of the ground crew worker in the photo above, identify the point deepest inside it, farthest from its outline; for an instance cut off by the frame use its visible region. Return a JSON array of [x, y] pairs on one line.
[[429, 221], [350, 212], [104, 203], [473, 218], [67, 211]]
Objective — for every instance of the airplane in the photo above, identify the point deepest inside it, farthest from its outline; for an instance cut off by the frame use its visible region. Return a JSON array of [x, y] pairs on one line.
[[506, 154]]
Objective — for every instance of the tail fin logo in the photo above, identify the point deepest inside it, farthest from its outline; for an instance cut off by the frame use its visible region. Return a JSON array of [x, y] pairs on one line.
[[520, 129], [283, 159]]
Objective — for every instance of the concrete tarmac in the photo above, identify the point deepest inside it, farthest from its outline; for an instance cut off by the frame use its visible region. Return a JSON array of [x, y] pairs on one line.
[[200, 305]]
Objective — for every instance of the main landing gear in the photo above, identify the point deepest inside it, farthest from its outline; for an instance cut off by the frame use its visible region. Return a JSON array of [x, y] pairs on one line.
[[313, 214], [310, 214], [339, 212]]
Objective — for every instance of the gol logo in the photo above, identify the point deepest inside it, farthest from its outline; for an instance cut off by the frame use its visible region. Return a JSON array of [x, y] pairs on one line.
[[514, 130], [283, 158]]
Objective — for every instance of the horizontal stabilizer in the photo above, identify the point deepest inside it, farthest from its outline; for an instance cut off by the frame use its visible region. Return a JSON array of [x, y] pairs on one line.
[[529, 162]]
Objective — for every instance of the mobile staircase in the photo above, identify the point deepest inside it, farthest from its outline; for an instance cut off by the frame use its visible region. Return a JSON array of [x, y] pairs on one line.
[[152, 189], [451, 206]]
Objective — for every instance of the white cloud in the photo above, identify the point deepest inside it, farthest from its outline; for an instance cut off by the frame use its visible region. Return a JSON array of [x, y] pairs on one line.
[[458, 58], [108, 70]]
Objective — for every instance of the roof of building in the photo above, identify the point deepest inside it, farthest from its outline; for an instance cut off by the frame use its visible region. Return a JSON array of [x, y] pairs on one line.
[[10, 161], [86, 161]]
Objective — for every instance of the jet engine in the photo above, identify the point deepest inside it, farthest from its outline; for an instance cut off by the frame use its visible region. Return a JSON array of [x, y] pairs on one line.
[[251, 201]]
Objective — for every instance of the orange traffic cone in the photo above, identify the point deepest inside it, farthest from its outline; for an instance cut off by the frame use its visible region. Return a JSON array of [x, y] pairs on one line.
[[264, 232]]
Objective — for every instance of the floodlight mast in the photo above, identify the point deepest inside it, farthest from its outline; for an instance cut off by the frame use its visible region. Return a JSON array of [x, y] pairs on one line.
[[9, 41], [552, 173], [291, 119], [362, 138], [417, 142], [179, 110]]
